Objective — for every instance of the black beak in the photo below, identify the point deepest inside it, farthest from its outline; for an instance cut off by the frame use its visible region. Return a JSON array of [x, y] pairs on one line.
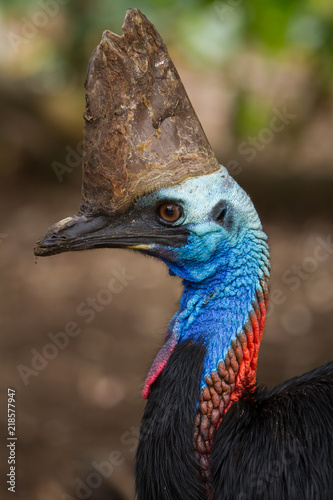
[[84, 232]]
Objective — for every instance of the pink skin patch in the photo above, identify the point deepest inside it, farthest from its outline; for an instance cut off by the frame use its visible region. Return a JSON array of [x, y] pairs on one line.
[[160, 362]]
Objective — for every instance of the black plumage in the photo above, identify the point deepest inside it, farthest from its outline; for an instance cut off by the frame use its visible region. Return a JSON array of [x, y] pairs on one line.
[[165, 463], [272, 444], [278, 444]]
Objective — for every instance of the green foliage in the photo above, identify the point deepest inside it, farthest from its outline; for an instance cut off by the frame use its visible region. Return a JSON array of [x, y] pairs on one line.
[[208, 34], [205, 30], [251, 114]]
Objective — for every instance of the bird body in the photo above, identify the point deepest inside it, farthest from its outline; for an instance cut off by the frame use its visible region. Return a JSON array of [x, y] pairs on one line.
[[271, 444], [207, 432]]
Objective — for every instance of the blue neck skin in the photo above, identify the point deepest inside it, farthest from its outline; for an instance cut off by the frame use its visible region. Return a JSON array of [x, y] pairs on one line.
[[215, 309]]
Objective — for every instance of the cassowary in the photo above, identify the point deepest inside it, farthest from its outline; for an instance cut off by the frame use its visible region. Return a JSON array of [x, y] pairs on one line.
[[152, 183]]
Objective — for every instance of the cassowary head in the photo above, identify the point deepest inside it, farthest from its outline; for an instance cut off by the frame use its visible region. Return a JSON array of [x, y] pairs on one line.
[[150, 179]]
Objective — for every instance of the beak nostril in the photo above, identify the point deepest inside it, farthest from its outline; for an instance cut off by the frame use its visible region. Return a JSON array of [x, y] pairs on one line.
[[57, 238]]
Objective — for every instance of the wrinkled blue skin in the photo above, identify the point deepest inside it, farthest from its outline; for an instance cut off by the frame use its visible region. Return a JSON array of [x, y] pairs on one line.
[[221, 267]]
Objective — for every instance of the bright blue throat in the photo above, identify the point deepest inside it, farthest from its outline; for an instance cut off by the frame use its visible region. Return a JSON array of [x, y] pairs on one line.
[[215, 310]]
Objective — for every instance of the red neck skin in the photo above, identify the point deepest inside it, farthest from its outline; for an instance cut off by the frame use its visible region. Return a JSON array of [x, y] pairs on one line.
[[228, 382]]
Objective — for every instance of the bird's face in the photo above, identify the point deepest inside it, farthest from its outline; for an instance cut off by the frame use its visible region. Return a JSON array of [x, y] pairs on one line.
[[214, 215], [194, 227]]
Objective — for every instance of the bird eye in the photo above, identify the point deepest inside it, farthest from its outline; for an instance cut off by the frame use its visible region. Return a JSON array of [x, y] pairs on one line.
[[170, 212]]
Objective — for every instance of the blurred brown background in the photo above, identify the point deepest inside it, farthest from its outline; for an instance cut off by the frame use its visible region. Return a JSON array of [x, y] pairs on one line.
[[260, 76]]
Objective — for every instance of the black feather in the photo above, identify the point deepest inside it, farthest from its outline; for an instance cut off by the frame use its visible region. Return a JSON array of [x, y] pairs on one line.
[[278, 444], [166, 468]]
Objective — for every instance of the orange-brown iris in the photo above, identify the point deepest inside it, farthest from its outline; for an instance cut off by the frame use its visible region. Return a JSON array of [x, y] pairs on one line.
[[170, 212]]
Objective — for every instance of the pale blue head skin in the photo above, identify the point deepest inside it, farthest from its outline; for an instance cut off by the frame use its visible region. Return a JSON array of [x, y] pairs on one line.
[[221, 265]]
